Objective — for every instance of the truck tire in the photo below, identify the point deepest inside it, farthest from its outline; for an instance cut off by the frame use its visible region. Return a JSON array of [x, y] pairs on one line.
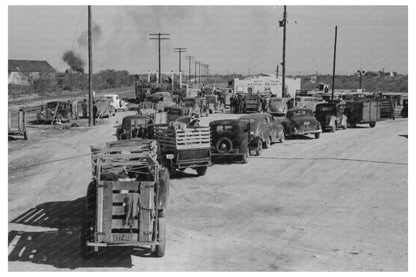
[[245, 157], [372, 124], [85, 235], [259, 148], [160, 248], [267, 143], [201, 170], [317, 135]]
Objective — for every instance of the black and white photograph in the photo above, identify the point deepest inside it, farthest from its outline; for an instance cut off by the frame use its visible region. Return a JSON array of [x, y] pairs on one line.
[[207, 137]]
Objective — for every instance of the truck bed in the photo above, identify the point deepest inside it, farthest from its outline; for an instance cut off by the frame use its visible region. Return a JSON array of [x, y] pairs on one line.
[[189, 138]]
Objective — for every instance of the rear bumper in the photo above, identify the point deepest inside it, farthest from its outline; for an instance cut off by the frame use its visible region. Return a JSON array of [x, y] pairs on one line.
[[307, 132], [127, 243]]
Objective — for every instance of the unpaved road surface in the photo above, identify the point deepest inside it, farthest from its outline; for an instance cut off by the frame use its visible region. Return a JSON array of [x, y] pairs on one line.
[[338, 203]]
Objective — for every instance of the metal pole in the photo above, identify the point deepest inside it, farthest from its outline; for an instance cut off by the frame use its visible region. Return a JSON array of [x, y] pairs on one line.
[[284, 52], [333, 67], [91, 115]]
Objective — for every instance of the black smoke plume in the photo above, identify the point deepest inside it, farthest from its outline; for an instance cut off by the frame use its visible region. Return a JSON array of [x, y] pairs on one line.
[[75, 62]]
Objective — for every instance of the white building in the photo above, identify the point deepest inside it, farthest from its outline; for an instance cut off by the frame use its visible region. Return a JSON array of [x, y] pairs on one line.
[[264, 83]]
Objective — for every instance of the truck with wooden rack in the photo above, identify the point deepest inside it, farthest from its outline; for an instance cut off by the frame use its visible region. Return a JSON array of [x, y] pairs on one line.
[[362, 111], [185, 148], [126, 200]]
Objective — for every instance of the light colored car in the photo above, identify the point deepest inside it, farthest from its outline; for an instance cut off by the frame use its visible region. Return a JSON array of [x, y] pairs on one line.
[[116, 102]]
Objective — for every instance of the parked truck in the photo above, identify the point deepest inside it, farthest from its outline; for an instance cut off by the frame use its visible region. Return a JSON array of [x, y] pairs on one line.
[[126, 200], [184, 147], [362, 112]]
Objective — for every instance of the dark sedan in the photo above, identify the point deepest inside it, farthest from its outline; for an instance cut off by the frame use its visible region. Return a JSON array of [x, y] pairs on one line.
[[301, 121]]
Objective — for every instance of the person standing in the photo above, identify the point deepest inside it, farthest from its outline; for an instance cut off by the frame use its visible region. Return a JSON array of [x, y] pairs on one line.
[[84, 108], [94, 113]]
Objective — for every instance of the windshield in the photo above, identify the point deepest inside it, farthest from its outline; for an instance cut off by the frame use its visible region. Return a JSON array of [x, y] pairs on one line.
[[299, 113], [132, 122], [325, 108]]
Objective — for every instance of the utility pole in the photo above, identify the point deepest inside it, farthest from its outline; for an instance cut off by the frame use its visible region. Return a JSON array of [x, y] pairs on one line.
[[333, 67], [195, 70], [189, 68], [284, 50], [361, 72], [159, 37], [180, 51], [199, 73], [90, 100], [277, 71]]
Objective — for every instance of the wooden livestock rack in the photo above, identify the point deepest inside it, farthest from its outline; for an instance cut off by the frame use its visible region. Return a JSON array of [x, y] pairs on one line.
[[361, 112], [185, 148], [127, 198]]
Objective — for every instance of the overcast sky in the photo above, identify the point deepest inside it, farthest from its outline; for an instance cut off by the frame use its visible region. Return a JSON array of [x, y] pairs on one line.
[[228, 38]]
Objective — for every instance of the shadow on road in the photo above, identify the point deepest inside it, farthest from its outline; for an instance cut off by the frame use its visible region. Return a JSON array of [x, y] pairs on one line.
[[60, 248]]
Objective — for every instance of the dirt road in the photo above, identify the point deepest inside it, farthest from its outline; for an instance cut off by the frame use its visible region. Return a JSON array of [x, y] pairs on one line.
[[338, 203]]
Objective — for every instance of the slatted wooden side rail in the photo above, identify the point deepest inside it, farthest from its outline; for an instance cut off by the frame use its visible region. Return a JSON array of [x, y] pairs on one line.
[[183, 139], [112, 224]]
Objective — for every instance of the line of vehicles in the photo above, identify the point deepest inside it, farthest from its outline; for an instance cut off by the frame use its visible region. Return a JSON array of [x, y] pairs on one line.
[[62, 112], [126, 199]]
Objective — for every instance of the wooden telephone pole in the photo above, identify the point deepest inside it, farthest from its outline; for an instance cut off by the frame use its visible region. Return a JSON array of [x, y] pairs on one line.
[[189, 68], [159, 37], [284, 51], [333, 67], [90, 99]]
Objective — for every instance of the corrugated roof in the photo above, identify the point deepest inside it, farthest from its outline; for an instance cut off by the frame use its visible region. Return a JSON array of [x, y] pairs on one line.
[[30, 66]]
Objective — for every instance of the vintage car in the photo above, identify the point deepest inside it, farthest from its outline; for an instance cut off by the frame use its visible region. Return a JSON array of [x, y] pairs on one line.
[[116, 102], [301, 121], [63, 112], [264, 130], [135, 126], [175, 112], [308, 102], [277, 106], [104, 107], [331, 116], [230, 138]]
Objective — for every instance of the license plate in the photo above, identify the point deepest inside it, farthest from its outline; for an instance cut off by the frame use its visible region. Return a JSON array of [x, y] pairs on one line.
[[123, 237], [306, 123]]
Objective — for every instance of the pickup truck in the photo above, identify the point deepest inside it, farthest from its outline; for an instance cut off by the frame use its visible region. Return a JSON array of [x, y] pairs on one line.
[[184, 147]]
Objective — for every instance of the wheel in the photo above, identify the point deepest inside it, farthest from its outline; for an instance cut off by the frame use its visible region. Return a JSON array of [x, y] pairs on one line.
[[245, 157], [86, 233], [160, 248], [201, 170], [372, 124], [267, 143], [224, 145], [25, 135], [259, 148], [353, 125], [317, 135]]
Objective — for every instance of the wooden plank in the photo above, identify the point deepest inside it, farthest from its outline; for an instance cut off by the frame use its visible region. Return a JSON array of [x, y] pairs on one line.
[[120, 224], [107, 210], [119, 185], [145, 215], [118, 210], [119, 197]]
